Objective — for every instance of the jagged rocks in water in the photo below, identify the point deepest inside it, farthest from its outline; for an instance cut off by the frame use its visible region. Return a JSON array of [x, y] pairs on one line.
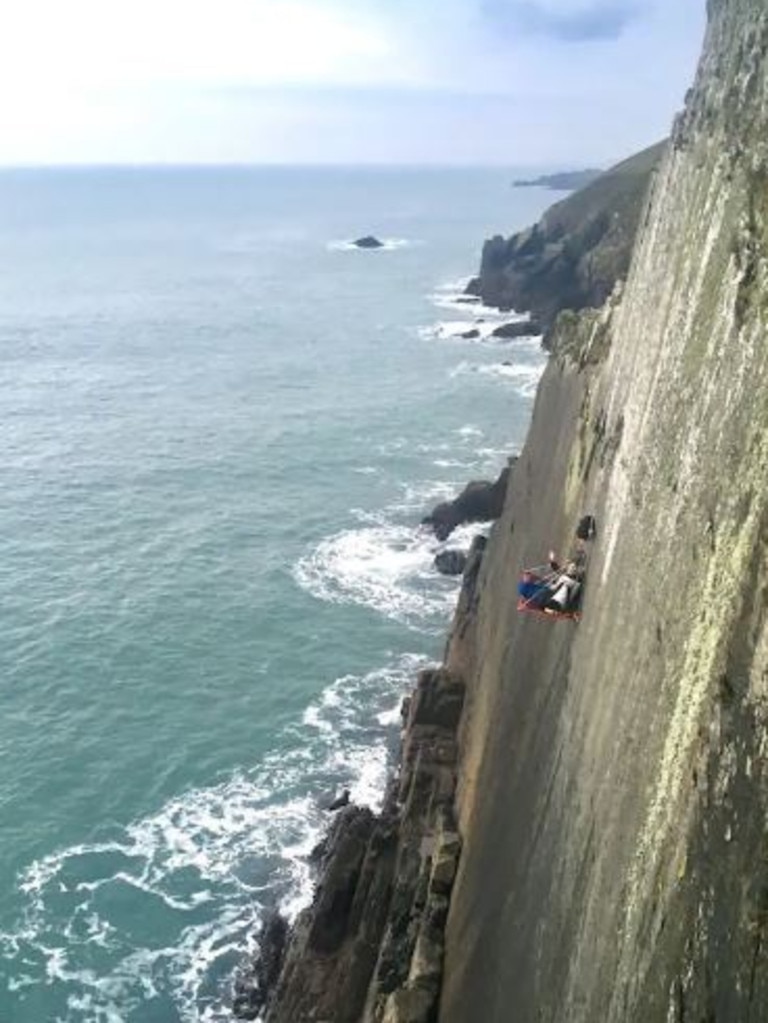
[[368, 241], [520, 328], [253, 986], [479, 501], [470, 335], [451, 562], [339, 802], [371, 946]]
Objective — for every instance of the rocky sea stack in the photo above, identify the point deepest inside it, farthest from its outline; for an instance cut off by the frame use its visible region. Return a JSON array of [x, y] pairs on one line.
[[368, 241]]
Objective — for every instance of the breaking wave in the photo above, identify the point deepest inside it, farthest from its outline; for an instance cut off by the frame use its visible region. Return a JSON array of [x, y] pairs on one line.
[[249, 837]]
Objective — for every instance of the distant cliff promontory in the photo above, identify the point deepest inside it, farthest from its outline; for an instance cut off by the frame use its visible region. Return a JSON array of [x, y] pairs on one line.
[[565, 181], [573, 256]]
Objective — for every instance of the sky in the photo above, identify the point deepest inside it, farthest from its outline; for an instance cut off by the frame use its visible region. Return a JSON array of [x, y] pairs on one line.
[[539, 83]]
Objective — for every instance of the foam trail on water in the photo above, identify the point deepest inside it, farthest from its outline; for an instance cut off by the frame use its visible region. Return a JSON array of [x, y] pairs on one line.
[[215, 857], [524, 377], [386, 567]]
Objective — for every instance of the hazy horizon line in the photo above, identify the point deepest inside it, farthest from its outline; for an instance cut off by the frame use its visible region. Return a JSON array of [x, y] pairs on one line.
[[163, 165]]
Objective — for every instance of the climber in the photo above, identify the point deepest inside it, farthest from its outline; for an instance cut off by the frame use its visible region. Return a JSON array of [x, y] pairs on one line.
[[556, 588], [534, 590], [565, 590]]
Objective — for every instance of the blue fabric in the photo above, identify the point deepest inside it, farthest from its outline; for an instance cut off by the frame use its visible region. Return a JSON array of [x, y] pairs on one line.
[[531, 589]]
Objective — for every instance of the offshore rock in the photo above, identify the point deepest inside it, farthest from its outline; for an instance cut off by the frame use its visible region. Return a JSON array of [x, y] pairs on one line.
[[339, 802], [520, 328], [369, 241], [451, 562], [479, 501]]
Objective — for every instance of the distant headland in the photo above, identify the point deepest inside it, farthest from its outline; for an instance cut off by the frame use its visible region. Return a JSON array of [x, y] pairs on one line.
[[565, 181]]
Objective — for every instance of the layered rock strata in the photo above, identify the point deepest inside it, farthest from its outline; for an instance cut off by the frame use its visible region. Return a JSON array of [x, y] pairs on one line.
[[370, 948]]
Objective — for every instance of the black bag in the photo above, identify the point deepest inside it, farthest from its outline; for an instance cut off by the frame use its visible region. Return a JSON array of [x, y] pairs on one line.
[[587, 528]]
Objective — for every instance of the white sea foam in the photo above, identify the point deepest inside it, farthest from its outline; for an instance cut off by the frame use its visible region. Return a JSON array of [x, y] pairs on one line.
[[525, 377], [453, 295], [457, 287], [249, 836], [387, 567], [451, 463], [456, 330]]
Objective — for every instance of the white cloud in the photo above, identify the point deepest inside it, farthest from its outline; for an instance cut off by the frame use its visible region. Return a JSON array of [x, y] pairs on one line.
[[78, 44], [206, 80], [83, 77]]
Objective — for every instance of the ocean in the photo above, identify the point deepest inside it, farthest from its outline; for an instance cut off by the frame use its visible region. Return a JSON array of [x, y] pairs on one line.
[[222, 424]]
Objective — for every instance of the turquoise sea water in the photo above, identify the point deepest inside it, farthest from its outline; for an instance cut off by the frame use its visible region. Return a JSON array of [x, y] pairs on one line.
[[221, 426]]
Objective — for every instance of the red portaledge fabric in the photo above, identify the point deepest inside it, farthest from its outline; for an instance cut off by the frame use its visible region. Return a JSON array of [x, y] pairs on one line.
[[572, 616]]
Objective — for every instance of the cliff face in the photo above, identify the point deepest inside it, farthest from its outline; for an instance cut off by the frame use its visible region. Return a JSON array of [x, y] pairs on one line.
[[613, 791], [573, 257], [608, 778]]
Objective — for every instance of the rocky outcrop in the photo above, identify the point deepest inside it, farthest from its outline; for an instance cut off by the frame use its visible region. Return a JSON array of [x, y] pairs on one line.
[[369, 241], [479, 501], [520, 328], [258, 979], [573, 257], [370, 947], [452, 562]]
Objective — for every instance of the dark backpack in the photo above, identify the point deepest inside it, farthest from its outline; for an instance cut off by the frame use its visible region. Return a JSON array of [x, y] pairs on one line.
[[587, 528]]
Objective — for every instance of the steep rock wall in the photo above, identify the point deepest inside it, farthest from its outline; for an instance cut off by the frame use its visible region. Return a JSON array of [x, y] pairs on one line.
[[613, 794]]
